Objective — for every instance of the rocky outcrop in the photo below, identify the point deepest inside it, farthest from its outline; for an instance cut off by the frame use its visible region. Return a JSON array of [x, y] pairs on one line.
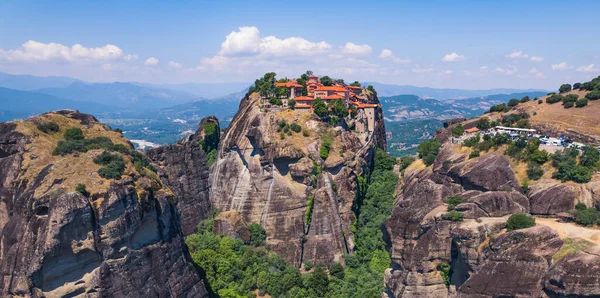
[[433, 256], [268, 176], [184, 168], [577, 275], [231, 224], [123, 241]]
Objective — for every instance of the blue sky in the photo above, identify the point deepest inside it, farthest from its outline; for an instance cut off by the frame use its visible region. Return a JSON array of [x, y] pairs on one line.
[[456, 44]]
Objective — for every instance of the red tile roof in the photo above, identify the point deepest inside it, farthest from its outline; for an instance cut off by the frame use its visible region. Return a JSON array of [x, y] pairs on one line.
[[303, 98], [288, 85], [313, 76], [473, 129]]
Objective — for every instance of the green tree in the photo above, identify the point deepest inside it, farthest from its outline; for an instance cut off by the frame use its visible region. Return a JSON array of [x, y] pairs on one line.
[[355, 83], [513, 102], [564, 88], [336, 270], [453, 202], [48, 127], [320, 108], [586, 217], [292, 104], [519, 221], [73, 134], [257, 234], [338, 108], [326, 81], [326, 142], [484, 123], [594, 95], [458, 130], [534, 171], [581, 103], [319, 281], [589, 156], [576, 86], [525, 99], [428, 151]]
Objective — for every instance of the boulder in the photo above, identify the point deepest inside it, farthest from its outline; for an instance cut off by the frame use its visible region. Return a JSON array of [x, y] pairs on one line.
[[577, 275], [515, 264], [231, 224], [488, 173], [550, 197]]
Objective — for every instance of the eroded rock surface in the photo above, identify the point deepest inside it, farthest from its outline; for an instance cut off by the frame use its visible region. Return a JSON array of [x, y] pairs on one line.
[[476, 256], [268, 176], [124, 240]]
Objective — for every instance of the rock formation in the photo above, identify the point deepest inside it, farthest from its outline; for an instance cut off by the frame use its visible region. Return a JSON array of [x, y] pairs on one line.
[[268, 176], [184, 168], [121, 240], [433, 256]]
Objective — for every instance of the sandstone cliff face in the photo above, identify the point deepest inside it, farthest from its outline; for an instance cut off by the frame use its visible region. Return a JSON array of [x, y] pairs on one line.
[[267, 176], [123, 241], [484, 260], [183, 167]]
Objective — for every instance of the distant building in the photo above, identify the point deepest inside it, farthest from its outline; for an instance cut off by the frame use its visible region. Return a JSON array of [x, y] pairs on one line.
[[294, 89], [471, 130]]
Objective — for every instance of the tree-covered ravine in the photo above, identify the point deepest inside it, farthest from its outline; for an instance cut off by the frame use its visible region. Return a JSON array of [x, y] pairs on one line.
[[234, 269]]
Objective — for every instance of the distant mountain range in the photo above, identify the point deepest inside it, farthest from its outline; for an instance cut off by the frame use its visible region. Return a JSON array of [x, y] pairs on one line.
[[441, 94]]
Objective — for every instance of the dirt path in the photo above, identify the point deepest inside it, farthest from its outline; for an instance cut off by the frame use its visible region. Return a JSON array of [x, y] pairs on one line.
[[571, 230]]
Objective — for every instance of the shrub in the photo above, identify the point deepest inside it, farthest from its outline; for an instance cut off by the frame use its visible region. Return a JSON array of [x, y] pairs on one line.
[[581, 103], [568, 105], [453, 216], [446, 272], [406, 161], [326, 142], [305, 133], [295, 127], [586, 217], [519, 221], [540, 101], [113, 170], [576, 86], [309, 210], [534, 171], [472, 141], [48, 127], [580, 206], [257, 234], [513, 102], [594, 95], [73, 134], [589, 156], [80, 188], [453, 202], [458, 130], [292, 104], [564, 88], [428, 151], [554, 98], [484, 123], [336, 270], [499, 108], [474, 154], [525, 99], [105, 158]]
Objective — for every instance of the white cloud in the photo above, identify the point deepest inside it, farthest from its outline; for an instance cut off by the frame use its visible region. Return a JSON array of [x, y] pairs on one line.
[[448, 71], [561, 66], [507, 71], [173, 64], [385, 53], [38, 51], [483, 68], [588, 68], [131, 57], [247, 41], [388, 54], [419, 69], [516, 54], [453, 57], [537, 73], [151, 61], [355, 49], [536, 58]]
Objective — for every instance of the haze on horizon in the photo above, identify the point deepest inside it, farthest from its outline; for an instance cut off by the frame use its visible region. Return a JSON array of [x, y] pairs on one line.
[[458, 44]]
